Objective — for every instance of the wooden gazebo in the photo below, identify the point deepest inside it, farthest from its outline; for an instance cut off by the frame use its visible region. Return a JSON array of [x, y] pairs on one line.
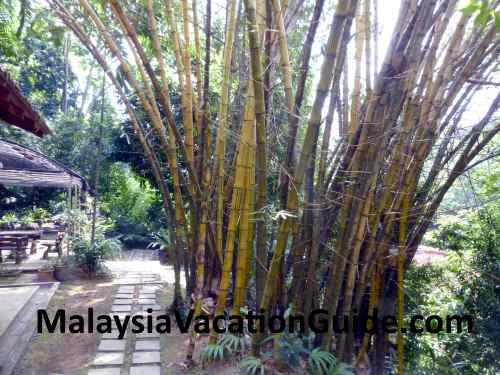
[[22, 166]]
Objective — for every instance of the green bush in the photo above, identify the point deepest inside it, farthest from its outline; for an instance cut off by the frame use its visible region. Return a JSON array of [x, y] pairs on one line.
[[92, 255], [467, 283]]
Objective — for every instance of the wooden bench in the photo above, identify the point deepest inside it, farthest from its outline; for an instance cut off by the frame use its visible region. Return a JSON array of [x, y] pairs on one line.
[[54, 246], [16, 244]]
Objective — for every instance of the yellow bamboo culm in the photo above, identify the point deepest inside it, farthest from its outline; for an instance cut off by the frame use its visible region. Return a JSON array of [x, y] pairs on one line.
[[240, 188], [403, 222], [221, 130], [245, 233]]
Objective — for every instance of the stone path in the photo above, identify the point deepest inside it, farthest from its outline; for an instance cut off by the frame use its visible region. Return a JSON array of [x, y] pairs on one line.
[[135, 354], [17, 335]]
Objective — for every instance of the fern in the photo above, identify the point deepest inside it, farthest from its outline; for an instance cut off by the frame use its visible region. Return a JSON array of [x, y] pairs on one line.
[[320, 362], [341, 369], [233, 343], [213, 353], [253, 366]]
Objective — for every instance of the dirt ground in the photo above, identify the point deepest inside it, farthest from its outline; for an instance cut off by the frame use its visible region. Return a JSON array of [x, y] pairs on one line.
[[68, 353], [72, 354]]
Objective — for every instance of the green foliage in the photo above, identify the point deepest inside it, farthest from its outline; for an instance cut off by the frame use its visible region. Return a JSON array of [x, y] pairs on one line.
[[449, 235], [162, 240], [34, 216], [466, 284], [341, 369], [8, 220], [253, 366], [320, 362], [93, 254], [8, 40], [24, 217], [132, 204], [234, 343], [88, 252], [214, 352], [227, 345], [292, 350], [483, 11]]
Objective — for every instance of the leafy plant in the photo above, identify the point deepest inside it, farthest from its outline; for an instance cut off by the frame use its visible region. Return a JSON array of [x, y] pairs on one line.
[[253, 366], [227, 344], [320, 362], [214, 352], [289, 348], [8, 220], [162, 240], [93, 254], [234, 343], [341, 369], [483, 11]]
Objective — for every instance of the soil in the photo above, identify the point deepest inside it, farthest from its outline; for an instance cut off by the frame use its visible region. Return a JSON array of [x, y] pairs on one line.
[[72, 354], [68, 353]]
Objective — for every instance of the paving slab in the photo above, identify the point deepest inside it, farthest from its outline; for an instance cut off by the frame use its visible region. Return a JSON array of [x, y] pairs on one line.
[[143, 295], [112, 346], [121, 308], [147, 335], [105, 371], [146, 357], [149, 289], [104, 359], [124, 295], [114, 335], [18, 334], [145, 370], [126, 289], [147, 345], [152, 307], [146, 301], [17, 297], [127, 301]]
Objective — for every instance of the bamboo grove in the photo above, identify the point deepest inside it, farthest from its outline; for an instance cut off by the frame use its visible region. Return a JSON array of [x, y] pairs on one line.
[[276, 201]]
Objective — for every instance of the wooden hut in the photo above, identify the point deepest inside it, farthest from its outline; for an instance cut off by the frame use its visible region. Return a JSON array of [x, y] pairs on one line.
[[16, 110]]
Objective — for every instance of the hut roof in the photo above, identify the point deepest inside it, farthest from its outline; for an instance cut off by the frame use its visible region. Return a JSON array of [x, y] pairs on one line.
[[16, 110], [22, 166]]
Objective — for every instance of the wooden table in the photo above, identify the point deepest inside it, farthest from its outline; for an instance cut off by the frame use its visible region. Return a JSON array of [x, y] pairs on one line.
[[17, 240]]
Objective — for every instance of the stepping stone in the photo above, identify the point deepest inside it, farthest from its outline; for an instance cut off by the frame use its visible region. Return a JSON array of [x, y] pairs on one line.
[[123, 301], [144, 308], [149, 289], [147, 335], [113, 335], [104, 359], [145, 370], [121, 316], [145, 357], [124, 296], [126, 289], [146, 301], [130, 281], [105, 371], [111, 346], [147, 295], [121, 308], [147, 345]]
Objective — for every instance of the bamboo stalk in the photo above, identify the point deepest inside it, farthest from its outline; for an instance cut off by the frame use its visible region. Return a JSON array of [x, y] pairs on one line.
[[221, 130]]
